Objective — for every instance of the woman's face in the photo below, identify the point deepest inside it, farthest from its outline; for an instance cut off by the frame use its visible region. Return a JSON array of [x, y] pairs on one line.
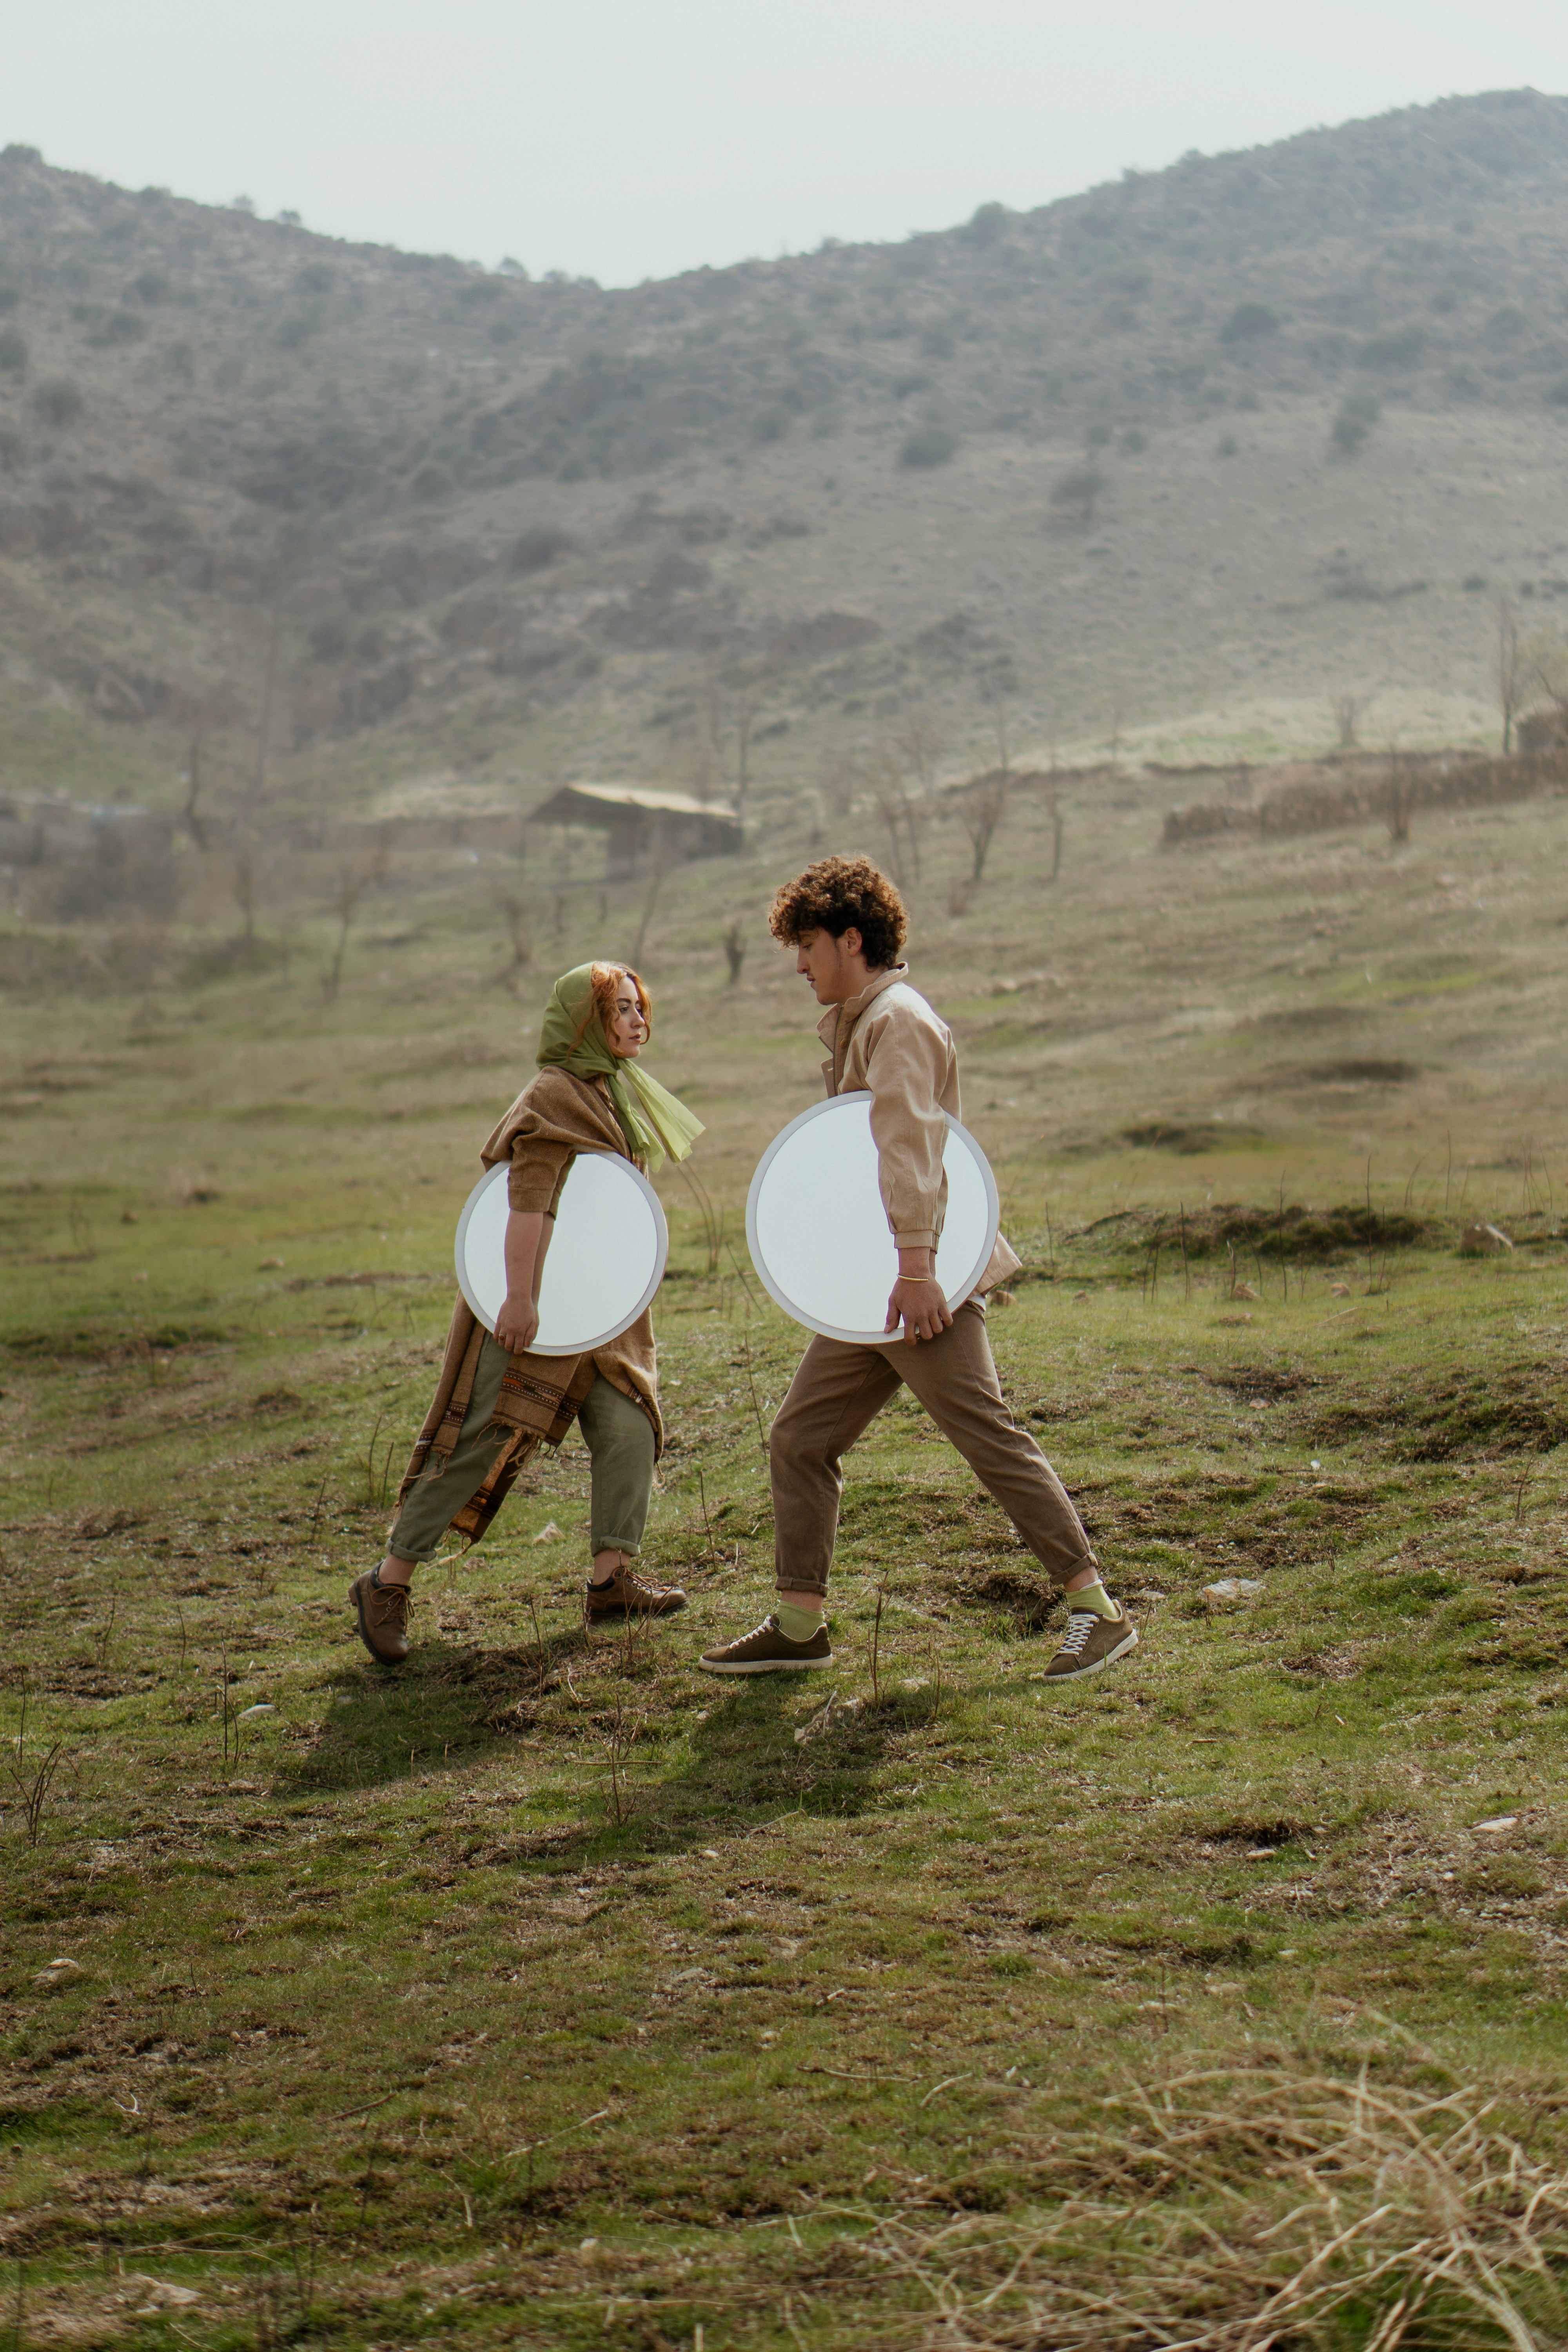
[[627, 1031]]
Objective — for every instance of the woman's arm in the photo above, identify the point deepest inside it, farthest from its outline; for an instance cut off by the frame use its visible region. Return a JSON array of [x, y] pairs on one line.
[[526, 1243]]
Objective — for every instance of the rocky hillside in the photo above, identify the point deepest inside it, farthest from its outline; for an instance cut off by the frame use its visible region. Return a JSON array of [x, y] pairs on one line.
[[346, 515]]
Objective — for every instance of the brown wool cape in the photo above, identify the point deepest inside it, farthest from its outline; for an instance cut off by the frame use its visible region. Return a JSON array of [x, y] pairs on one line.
[[554, 1117]]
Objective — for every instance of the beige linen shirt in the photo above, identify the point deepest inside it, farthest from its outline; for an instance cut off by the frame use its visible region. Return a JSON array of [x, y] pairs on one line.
[[889, 1041]]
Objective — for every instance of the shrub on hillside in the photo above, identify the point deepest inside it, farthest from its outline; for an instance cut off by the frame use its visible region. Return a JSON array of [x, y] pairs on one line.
[[538, 548], [1399, 347], [13, 352], [118, 326], [1357, 413], [1078, 492], [986, 225], [58, 401], [927, 445], [1248, 320]]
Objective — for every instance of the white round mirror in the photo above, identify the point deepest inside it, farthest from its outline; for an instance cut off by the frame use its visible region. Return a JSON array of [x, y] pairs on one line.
[[605, 1261], [818, 1231]]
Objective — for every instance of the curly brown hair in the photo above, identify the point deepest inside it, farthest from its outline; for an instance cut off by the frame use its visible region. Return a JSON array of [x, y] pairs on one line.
[[839, 895]]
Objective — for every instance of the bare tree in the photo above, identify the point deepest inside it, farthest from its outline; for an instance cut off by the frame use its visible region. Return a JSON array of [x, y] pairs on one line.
[[194, 823], [1400, 795], [520, 931], [750, 697], [996, 711], [1510, 666], [727, 705], [1054, 810], [353, 883], [841, 783], [256, 782], [981, 805], [735, 950], [919, 744], [1549, 669], [1349, 711], [245, 888], [902, 815], [660, 867]]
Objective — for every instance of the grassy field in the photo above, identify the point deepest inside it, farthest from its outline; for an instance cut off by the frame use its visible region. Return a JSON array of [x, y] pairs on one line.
[[546, 1994]]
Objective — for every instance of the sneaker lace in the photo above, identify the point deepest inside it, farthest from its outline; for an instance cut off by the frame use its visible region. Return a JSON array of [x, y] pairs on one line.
[[1080, 1625]]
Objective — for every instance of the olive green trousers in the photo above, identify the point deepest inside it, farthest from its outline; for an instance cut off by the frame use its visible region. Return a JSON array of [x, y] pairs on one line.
[[619, 1438]]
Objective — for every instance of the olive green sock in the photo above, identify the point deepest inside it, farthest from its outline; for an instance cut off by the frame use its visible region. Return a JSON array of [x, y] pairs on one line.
[[796, 1624], [1095, 1598]]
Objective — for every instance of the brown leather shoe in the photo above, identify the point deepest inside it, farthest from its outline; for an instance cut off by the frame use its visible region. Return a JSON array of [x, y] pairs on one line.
[[769, 1650], [383, 1613], [627, 1594]]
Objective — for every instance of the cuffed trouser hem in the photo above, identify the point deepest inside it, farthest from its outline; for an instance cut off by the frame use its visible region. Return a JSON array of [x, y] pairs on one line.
[[619, 1436], [838, 1390]]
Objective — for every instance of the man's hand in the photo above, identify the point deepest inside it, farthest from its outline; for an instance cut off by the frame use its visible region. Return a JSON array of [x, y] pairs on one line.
[[516, 1325], [920, 1304]]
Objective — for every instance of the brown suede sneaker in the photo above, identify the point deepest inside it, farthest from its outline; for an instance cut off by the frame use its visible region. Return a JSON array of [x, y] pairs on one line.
[[769, 1650], [627, 1594], [1091, 1642], [383, 1613]]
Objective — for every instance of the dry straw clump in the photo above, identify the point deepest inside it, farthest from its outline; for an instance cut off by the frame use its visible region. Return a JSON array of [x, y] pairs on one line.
[[1263, 2213]]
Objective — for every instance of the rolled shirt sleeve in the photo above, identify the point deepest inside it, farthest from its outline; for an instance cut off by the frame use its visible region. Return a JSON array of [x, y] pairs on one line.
[[907, 1069], [537, 1172]]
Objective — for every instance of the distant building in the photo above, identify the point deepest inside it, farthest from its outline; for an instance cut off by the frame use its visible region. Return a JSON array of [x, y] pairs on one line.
[[642, 825]]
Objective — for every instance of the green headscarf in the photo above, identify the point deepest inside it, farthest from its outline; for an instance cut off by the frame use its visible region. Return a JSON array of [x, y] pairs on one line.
[[651, 1119]]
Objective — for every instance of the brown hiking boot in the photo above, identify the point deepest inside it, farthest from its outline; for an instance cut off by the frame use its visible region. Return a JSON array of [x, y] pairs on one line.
[[383, 1613], [627, 1594], [1091, 1642], [769, 1650]]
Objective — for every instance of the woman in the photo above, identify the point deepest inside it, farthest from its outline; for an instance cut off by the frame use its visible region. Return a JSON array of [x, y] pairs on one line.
[[494, 1400]]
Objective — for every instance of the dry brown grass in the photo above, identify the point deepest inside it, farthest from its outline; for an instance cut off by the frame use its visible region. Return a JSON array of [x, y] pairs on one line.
[[1225, 2212]]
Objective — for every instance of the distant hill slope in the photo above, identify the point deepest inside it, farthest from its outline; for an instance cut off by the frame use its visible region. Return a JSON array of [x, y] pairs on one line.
[[347, 510]]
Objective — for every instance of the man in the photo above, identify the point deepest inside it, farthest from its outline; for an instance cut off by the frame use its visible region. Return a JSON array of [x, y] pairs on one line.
[[846, 924]]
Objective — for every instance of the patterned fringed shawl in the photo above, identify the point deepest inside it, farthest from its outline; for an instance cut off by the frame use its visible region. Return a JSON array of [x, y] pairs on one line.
[[553, 1119]]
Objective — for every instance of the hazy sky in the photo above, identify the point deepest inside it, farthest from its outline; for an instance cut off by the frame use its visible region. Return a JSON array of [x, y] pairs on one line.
[[625, 139]]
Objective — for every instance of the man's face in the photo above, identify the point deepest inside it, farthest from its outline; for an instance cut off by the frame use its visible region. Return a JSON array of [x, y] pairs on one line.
[[836, 968]]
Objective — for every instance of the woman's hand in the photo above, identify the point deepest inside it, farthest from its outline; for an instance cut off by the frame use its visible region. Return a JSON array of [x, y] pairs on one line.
[[516, 1325]]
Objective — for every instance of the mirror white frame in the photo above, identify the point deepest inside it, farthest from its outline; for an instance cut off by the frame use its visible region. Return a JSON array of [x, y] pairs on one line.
[[837, 1254], [606, 1260]]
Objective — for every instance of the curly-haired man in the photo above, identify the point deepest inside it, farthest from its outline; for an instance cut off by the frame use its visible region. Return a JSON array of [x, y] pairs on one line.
[[846, 924]]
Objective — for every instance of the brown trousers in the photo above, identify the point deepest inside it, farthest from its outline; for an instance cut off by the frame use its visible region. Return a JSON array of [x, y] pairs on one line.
[[838, 1391]]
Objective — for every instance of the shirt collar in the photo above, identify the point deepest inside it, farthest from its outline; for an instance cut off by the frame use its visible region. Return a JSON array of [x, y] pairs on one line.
[[840, 1019]]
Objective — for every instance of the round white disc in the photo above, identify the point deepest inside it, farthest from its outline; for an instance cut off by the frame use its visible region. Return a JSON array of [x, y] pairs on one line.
[[605, 1261], [818, 1231]]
